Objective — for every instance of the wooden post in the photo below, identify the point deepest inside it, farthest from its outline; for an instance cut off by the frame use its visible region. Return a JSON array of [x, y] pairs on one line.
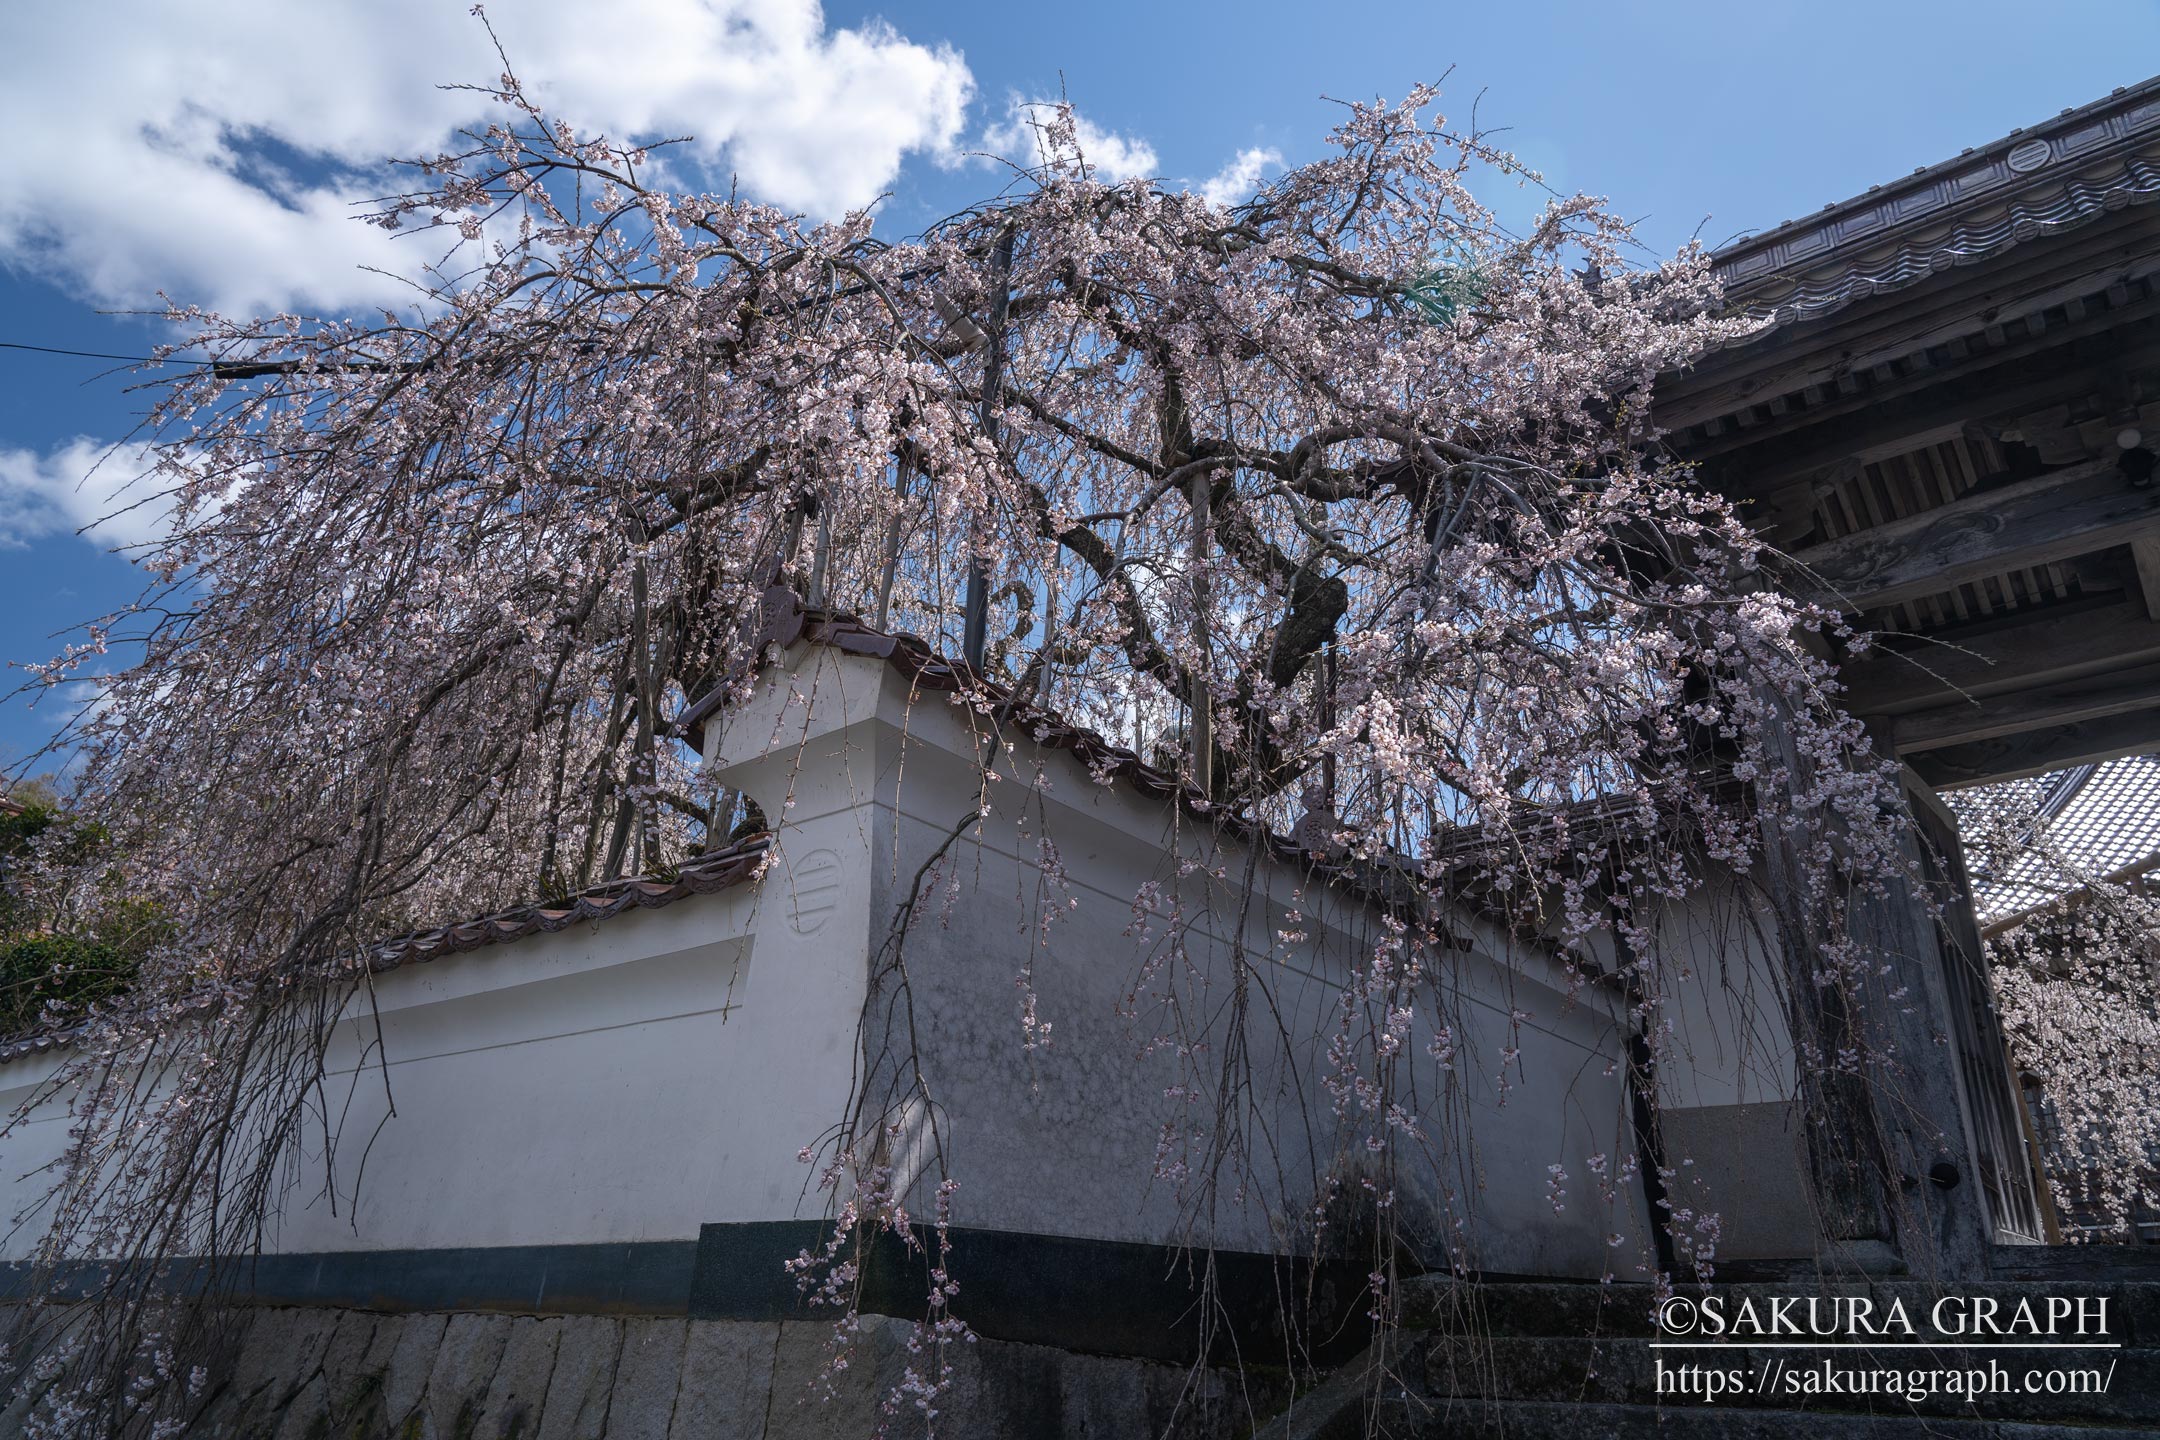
[[1940, 1205], [2044, 1194], [1888, 1122], [1845, 1149], [2013, 1188]]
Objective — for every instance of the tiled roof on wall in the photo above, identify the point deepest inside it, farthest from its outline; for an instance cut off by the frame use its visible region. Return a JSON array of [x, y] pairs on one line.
[[701, 875]]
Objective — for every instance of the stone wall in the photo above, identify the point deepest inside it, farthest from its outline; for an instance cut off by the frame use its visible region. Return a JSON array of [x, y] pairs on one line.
[[323, 1374]]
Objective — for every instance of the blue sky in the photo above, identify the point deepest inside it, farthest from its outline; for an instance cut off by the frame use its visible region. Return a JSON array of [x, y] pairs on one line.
[[210, 153]]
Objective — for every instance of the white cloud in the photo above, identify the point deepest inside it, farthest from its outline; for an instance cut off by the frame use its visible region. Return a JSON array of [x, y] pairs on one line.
[[107, 492], [82, 699], [1237, 180], [1030, 135], [155, 143]]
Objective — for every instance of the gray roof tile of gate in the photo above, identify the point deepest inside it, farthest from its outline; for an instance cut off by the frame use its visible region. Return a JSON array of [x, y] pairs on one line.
[[2034, 182], [2103, 818]]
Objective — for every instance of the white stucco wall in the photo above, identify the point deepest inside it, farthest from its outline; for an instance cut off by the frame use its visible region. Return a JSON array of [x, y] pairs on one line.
[[1726, 1041], [1063, 1139], [1726, 1113], [628, 1080], [634, 1079]]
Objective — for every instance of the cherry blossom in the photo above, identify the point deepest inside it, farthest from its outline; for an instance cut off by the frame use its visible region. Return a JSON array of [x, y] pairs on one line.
[[1342, 503]]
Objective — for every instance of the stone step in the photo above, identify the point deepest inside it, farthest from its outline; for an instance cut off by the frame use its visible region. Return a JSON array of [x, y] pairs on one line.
[[1567, 1359], [1558, 1420], [1527, 1308], [2077, 1262], [1627, 1372]]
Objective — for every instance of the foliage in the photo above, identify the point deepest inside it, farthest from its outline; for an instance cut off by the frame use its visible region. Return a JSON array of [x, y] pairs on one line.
[[61, 951]]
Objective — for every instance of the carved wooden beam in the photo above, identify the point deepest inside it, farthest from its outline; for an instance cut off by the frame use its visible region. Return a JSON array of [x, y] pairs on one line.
[[2036, 752], [2094, 697], [2013, 653], [1755, 462], [1963, 304], [2031, 522]]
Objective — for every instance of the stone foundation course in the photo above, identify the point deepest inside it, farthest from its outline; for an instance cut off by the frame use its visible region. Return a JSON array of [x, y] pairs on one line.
[[307, 1373]]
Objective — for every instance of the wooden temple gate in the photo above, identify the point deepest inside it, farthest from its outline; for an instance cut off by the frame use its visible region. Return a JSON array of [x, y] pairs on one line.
[[1951, 423]]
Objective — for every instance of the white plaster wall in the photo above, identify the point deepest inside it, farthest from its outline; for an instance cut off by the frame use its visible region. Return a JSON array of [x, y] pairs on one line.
[[1725, 1075], [1063, 1139], [635, 1079], [623, 1081], [33, 1142], [1727, 1041]]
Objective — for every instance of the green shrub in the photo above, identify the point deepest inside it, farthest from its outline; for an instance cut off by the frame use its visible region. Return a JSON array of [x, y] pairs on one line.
[[58, 957]]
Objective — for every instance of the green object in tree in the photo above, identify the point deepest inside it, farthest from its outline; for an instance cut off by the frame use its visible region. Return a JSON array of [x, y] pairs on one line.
[[1447, 289]]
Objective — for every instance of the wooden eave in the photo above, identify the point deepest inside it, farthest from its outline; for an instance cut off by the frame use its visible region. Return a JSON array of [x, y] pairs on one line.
[[1948, 422]]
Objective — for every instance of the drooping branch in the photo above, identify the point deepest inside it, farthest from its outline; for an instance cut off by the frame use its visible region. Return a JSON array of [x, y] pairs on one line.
[[437, 590]]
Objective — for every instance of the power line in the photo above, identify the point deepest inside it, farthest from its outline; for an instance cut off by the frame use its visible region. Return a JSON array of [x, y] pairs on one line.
[[230, 369], [100, 354]]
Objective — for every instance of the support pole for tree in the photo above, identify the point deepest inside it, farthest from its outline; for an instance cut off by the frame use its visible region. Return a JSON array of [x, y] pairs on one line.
[[1327, 723], [816, 598], [975, 623], [903, 471], [1201, 700]]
